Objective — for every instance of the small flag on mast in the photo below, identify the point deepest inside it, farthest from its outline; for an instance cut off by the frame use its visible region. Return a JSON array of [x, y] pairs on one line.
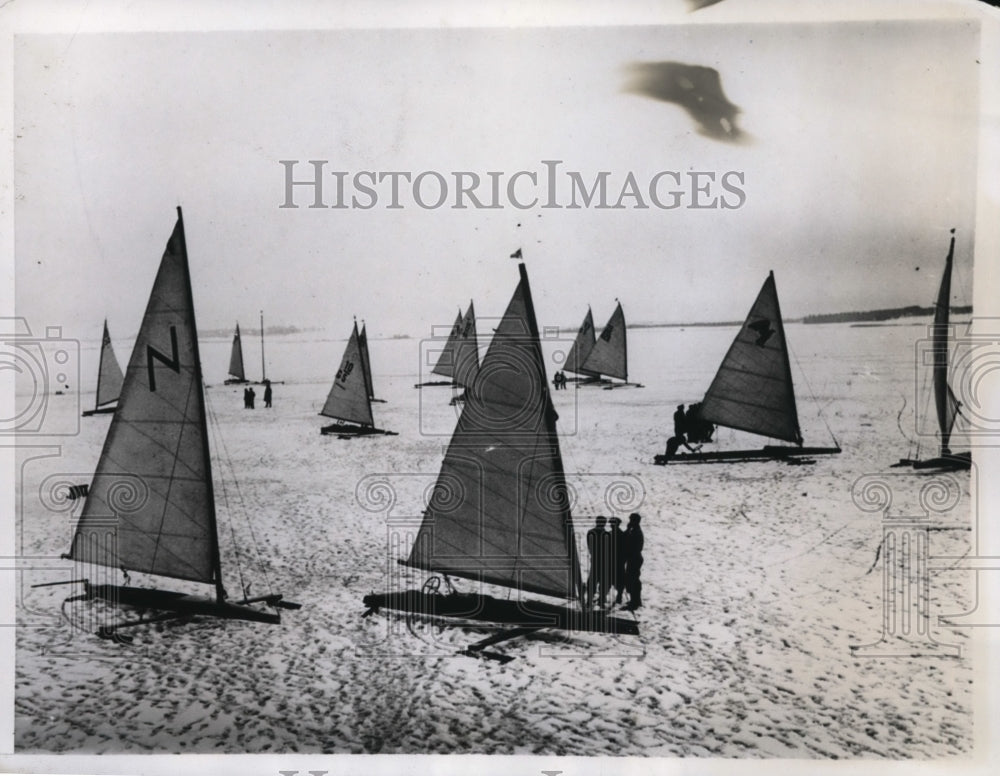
[[516, 254]]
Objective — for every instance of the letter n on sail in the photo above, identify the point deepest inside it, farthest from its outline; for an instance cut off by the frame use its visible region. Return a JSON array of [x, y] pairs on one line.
[[153, 479]]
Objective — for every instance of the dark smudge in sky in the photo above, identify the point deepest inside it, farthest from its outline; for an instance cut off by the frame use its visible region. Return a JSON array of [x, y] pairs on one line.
[[695, 88]]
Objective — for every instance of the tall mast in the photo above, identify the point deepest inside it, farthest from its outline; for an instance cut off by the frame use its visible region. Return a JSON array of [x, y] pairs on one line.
[[551, 433], [263, 370], [220, 593]]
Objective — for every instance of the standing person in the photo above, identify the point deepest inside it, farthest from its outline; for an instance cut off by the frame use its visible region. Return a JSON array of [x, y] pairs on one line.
[[267, 393], [597, 546], [616, 557], [680, 422], [246, 398], [634, 541], [251, 395]]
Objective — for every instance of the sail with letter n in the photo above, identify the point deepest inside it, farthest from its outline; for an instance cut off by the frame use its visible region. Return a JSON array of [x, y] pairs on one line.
[[151, 507], [752, 391], [499, 512], [154, 473]]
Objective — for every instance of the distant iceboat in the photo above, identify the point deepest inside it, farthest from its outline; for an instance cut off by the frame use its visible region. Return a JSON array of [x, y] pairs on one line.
[[349, 402], [598, 360], [753, 390], [109, 378], [947, 406], [236, 374], [459, 359]]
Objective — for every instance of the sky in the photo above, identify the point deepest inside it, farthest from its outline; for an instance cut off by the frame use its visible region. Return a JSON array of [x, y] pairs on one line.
[[856, 154]]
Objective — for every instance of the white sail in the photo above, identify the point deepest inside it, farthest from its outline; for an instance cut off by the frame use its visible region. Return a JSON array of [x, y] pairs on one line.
[[499, 511], [609, 356], [236, 357], [154, 475], [348, 398], [753, 390], [109, 374]]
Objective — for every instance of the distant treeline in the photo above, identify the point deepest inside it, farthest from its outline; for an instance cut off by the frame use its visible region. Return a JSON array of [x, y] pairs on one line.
[[676, 325], [255, 332], [913, 311]]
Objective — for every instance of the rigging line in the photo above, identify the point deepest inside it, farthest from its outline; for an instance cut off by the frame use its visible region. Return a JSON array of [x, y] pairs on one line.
[[921, 414], [242, 503], [213, 424], [805, 379], [899, 425]]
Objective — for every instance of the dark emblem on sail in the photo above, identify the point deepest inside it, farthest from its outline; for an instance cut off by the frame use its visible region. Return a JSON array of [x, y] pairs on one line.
[[173, 364], [345, 372], [606, 334], [78, 491], [763, 330]]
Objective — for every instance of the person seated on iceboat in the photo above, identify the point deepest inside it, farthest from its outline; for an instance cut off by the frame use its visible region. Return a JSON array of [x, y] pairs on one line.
[[680, 430], [697, 430]]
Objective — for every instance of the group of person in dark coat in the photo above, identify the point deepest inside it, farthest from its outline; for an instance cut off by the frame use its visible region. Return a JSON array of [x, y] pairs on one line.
[[250, 395], [559, 381], [689, 427], [615, 562]]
